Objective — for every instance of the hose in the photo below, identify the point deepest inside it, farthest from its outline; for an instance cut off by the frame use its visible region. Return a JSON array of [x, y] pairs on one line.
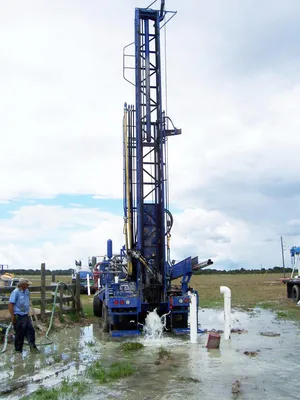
[[171, 221], [50, 324], [6, 338], [128, 222]]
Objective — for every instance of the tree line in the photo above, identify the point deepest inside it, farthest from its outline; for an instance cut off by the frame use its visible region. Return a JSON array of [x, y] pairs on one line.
[[24, 272], [206, 271], [274, 270]]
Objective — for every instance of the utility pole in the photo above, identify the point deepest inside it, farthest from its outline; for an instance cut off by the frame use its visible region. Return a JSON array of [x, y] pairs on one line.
[[282, 253]]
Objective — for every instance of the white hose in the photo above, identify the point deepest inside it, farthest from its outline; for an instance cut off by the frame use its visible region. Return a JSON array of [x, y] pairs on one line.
[[6, 337]]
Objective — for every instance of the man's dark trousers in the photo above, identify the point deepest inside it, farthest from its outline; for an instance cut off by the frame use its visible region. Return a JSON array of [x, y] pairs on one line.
[[23, 328]]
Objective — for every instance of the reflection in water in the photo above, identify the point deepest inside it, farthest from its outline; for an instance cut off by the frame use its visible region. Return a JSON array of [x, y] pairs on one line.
[[193, 371]]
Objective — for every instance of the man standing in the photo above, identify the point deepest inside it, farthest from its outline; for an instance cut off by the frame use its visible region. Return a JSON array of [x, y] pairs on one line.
[[19, 305]]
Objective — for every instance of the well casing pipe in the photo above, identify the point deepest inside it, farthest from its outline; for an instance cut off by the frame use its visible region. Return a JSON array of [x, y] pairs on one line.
[[193, 318], [227, 310]]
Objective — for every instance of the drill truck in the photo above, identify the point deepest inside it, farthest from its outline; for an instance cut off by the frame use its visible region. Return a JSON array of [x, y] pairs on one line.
[[139, 278], [293, 283]]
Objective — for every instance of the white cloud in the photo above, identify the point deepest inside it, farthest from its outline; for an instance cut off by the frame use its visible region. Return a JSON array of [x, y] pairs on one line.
[[234, 89], [56, 235]]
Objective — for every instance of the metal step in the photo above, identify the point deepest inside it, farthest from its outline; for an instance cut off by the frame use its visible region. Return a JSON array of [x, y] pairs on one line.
[[125, 333], [184, 331]]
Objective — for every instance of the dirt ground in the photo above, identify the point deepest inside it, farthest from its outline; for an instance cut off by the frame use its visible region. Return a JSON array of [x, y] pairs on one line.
[[4, 316]]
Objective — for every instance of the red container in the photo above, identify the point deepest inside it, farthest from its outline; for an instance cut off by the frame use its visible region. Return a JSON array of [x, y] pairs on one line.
[[213, 341]]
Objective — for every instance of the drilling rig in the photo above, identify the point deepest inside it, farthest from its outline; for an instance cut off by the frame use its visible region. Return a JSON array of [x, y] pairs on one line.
[[139, 278], [293, 283]]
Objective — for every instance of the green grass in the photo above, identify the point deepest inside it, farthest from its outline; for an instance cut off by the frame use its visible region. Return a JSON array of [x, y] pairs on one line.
[[97, 372], [74, 317], [282, 314], [205, 303], [117, 370], [43, 394], [120, 369], [188, 379], [131, 346], [67, 389], [57, 358], [90, 343], [163, 354], [87, 305]]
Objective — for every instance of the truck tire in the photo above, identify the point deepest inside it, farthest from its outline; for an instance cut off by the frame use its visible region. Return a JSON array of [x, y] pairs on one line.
[[105, 322], [296, 293], [97, 306]]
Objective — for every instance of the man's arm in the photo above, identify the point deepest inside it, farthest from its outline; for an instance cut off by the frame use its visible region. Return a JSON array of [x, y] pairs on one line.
[[11, 307]]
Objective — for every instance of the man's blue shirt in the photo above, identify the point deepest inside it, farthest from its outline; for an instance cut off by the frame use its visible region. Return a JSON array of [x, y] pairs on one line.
[[21, 301]]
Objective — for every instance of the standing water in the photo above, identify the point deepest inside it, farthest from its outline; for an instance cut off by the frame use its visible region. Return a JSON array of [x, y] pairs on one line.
[[259, 362]]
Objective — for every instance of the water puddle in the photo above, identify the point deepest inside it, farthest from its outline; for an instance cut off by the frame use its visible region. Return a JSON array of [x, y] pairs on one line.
[[259, 361]]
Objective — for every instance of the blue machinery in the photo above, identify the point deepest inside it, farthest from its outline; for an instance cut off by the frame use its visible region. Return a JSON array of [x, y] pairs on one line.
[[295, 258], [293, 283], [138, 279]]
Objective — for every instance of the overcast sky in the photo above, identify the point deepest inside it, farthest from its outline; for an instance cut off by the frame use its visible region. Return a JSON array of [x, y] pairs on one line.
[[233, 87]]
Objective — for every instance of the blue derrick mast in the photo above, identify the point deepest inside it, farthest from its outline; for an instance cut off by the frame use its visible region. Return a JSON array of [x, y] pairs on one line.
[[138, 280]]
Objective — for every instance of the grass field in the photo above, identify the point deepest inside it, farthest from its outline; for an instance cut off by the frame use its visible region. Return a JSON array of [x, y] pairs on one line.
[[247, 291]]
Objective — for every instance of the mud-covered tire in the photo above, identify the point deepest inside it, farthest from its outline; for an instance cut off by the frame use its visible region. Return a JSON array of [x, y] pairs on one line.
[[105, 321], [296, 293], [97, 306], [93, 290]]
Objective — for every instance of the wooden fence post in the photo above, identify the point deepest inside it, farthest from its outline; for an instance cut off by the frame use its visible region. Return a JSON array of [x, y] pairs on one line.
[[61, 294], [43, 292], [74, 297], [53, 277], [78, 293]]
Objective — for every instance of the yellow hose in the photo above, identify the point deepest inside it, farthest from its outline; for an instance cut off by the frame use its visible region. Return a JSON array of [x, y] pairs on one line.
[[168, 240], [127, 226]]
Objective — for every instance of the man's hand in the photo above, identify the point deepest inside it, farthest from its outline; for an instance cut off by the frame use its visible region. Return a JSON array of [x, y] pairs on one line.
[[13, 319]]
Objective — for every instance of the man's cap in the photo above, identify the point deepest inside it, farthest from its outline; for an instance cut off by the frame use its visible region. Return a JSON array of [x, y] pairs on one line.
[[23, 280]]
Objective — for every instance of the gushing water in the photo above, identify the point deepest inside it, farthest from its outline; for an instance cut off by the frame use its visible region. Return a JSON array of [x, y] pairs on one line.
[[154, 326]]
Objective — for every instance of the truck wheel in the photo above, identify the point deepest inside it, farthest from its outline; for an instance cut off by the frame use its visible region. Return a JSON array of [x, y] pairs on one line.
[[296, 293], [105, 322], [97, 306]]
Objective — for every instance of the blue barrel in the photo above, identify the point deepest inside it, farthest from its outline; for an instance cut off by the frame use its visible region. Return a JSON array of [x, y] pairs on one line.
[[109, 248]]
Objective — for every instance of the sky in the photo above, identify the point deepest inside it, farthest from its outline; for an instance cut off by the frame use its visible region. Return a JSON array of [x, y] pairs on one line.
[[233, 88]]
